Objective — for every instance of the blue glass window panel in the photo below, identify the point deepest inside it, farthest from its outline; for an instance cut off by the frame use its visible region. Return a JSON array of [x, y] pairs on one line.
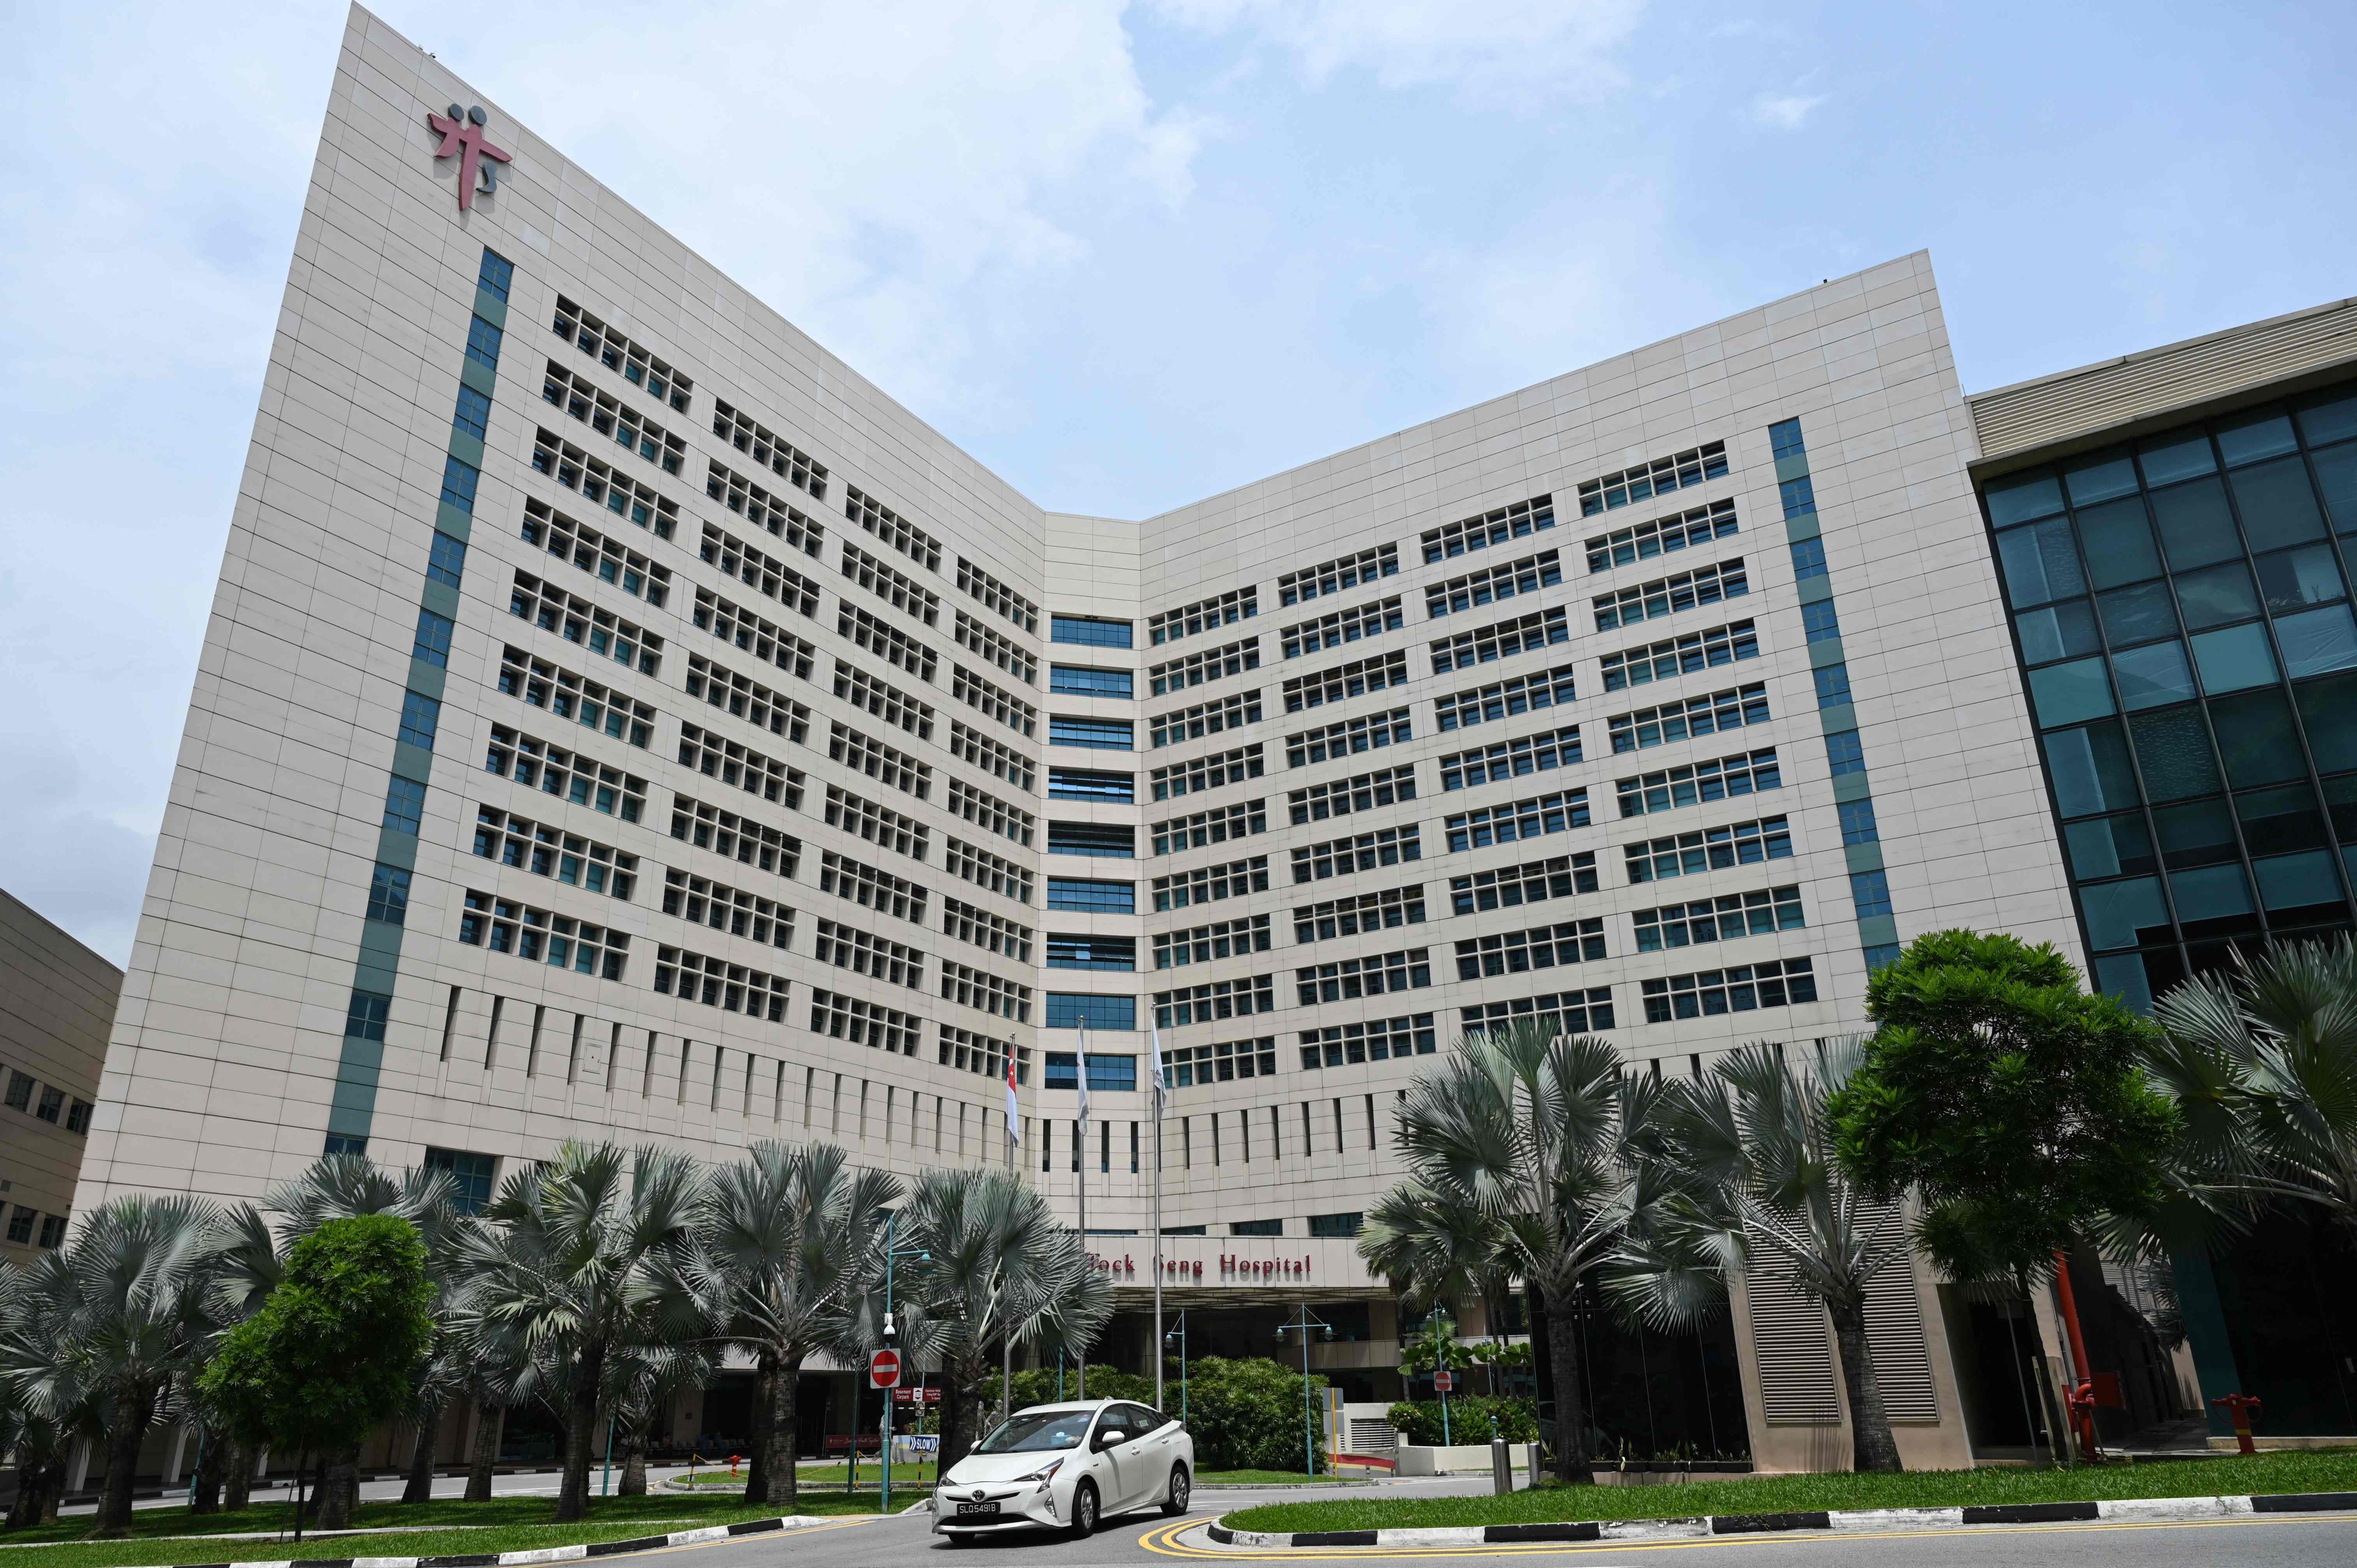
[[1070, 1010], [404, 805], [2090, 770], [2118, 543], [364, 1018], [2328, 709], [2253, 436], [1100, 735], [1082, 784], [389, 895], [345, 1144], [1078, 681], [2216, 595], [1785, 438], [446, 561], [2235, 660], [2069, 693], [2336, 475], [474, 414], [2296, 881], [2180, 455], [2138, 615], [2257, 739], [2058, 631], [433, 644], [1115, 1072], [2041, 564], [1799, 496], [2109, 846], [2152, 677], [1808, 559], [1819, 621], [497, 273], [2331, 416], [2294, 579], [2119, 912], [2201, 832], [2196, 529], [2174, 751], [1870, 891], [2099, 477], [2281, 820], [1088, 631], [459, 482], [2277, 504], [1833, 686], [1880, 955], [420, 716], [2210, 893], [1858, 824], [2122, 977], [2319, 641], [2023, 497], [1845, 752], [483, 343], [1084, 894], [1119, 953]]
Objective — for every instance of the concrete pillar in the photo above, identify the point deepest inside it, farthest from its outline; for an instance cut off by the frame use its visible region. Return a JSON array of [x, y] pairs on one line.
[[78, 1466], [180, 1450]]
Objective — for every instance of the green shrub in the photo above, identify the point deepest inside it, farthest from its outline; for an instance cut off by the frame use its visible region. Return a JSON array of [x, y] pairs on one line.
[[1468, 1420], [1249, 1415], [1037, 1385]]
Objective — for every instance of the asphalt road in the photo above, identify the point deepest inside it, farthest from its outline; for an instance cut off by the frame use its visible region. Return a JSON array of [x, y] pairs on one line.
[[2316, 1541]]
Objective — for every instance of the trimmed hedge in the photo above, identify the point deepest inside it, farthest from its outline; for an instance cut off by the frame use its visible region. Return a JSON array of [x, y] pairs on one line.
[[1468, 1419]]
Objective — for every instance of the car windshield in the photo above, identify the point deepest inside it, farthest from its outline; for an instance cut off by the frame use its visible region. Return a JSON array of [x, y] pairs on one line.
[[1037, 1431]]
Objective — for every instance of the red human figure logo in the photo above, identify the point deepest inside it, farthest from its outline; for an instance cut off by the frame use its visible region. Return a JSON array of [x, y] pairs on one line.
[[462, 138]]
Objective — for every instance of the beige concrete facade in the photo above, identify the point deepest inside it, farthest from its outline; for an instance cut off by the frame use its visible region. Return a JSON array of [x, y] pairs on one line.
[[229, 1048], [56, 1004]]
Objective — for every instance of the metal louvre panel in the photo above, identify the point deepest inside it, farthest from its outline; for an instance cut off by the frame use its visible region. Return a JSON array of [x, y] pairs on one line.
[[1792, 1345], [1372, 1436], [2077, 402], [1894, 1332]]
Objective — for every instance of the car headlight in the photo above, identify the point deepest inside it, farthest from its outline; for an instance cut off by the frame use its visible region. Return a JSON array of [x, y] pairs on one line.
[[1045, 1473]]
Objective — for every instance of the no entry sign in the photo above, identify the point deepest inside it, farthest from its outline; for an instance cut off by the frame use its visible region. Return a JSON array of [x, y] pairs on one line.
[[1444, 1380], [883, 1370]]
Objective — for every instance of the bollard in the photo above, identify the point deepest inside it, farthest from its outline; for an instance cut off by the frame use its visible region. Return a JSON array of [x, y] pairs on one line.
[[1501, 1461], [1535, 1471], [2241, 1407]]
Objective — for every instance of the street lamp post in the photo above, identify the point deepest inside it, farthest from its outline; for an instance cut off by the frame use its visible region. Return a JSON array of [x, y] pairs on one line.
[[884, 1485], [1179, 1334], [1440, 1367], [1303, 1322]]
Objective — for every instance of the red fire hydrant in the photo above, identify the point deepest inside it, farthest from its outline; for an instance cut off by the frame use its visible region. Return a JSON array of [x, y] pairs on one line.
[[2243, 1408], [732, 1464], [2081, 1402]]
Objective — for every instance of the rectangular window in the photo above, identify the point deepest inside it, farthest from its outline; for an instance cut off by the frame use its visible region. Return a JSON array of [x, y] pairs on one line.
[[1205, 719], [483, 342], [896, 588], [1857, 824], [701, 902], [1203, 944], [1195, 1067], [1724, 779], [1880, 955], [1182, 779], [1661, 536], [1870, 891], [969, 987], [504, 926], [1196, 668], [1364, 914], [1375, 1040], [389, 895], [52, 1104], [538, 683], [970, 1052], [20, 1090], [997, 595], [1106, 1071], [1210, 884], [1333, 576], [985, 930], [873, 888], [1845, 752], [1092, 896], [496, 274], [1510, 758], [20, 1225], [1083, 680], [473, 414], [365, 1016], [1819, 620], [1215, 1001], [1502, 639], [1720, 920], [1361, 792], [740, 430], [750, 843], [1089, 631], [1361, 852], [1785, 439], [1833, 686], [975, 637], [1672, 656], [1494, 583], [1100, 735], [1203, 829], [1574, 1012], [1710, 585], [1346, 737], [1004, 706], [1256, 1228], [993, 757], [892, 528], [864, 1023], [1336, 1226], [1799, 496], [1503, 698], [987, 871], [1087, 784], [1541, 947], [1519, 520], [447, 563], [1741, 988], [1808, 559], [1714, 714], [459, 482], [1204, 615], [1709, 849], [1117, 841], [433, 644], [1540, 815], [420, 716], [53, 1231], [1342, 627], [77, 1116], [1659, 477], [405, 806], [1073, 951], [781, 518], [1073, 1010], [471, 1176], [557, 771], [1535, 882], [1349, 979], [1355, 678]]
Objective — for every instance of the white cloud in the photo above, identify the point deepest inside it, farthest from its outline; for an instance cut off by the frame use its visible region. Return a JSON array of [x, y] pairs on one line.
[[1562, 48], [1784, 111]]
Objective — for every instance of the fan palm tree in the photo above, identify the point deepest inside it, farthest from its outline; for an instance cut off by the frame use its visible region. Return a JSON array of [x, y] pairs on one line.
[[1753, 1146], [2261, 1062], [567, 1258], [1533, 1128], [790, 1233], [1002, 1267], [640, 1379], [43, 1408], [1436, 1247]]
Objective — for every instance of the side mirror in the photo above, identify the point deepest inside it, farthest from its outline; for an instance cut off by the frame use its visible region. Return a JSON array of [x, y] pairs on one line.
[[1110, 1436]]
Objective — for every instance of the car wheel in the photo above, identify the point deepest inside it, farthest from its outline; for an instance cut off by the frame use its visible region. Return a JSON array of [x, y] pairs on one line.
[[1181, 1490], [1084, 1509]]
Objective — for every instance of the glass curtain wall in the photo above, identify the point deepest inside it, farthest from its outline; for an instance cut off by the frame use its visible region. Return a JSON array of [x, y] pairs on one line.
[[2181, 610]]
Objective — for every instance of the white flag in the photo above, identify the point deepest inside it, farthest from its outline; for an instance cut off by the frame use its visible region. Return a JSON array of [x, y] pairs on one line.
[[1082, 1079], [1161, 1085], [1014, 1124]]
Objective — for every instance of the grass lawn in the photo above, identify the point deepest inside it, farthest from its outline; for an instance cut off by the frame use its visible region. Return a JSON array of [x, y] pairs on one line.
[[2328, 1471], [445, 1526]]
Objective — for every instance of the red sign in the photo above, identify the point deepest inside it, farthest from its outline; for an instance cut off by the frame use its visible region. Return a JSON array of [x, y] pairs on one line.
[[462, 138], [1231, 1266], [883, 1370], [1444, 1380], [930, 1395]]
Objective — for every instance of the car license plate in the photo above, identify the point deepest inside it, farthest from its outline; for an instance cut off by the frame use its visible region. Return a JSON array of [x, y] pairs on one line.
[[976, 1510]]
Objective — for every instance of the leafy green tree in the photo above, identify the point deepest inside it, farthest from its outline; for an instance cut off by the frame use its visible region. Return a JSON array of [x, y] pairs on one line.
[[332, 1352], [1249, 1415], [1468, 1419], [1037, 1385], [2009, 1100]]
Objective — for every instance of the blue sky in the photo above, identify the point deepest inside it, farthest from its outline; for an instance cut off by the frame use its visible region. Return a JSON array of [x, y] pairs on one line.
[[1129, 254]]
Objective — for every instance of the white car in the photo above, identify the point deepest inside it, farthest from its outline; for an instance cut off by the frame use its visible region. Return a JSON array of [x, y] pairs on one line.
[[1066, 1466]]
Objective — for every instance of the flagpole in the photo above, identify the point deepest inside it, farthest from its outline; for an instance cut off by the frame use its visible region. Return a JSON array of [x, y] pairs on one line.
[[1080, 1164], [1156, 1038], [1006, 1330]]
